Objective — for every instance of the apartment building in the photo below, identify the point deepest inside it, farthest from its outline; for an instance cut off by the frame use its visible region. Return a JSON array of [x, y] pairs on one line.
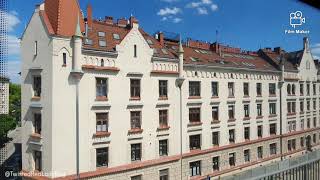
[[153, 107], [4, 95]]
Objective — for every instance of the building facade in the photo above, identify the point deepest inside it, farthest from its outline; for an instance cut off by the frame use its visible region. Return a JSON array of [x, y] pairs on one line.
[[150, 107], [4, 95]]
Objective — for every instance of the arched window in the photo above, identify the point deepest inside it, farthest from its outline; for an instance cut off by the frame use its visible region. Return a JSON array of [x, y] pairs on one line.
[[293, 89], [289, 89], [102, 63]]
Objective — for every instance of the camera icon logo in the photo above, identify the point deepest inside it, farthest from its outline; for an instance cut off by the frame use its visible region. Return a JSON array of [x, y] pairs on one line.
[[296, 19]]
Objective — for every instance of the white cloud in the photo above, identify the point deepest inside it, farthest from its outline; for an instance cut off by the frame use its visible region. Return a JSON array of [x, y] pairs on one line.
[[169, 11], [202, 6], [315, 49], [214, 7], [177, 20], [202, 10], [169, 1], [13, 45], [12, 18], [13, 70]]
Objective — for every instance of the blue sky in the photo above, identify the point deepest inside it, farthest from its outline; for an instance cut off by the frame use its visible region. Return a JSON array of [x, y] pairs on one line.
[[249, 24]]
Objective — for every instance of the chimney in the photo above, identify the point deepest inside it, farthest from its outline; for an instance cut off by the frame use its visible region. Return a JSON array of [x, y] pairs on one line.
[[277, 50], [161, 38], [89, 15], [122, 22], [108, 20], [306, 44], [133, 22]]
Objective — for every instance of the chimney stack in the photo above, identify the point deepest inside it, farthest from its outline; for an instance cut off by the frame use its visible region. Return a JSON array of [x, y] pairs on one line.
[[133, 22], [122, 22], [108, 20], [89, 15], [306, 44], [161, 38], [277, 50]]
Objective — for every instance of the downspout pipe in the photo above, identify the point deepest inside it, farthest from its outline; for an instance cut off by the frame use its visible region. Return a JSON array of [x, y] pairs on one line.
[[281, 82]]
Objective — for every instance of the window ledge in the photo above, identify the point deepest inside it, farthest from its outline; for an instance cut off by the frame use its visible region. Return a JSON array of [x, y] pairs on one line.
[[163, 128], [215, 121], [230, 96], [163, 98], [272, 95], [195, 124], [135, 131], [259, 96], [102, 134], [232, 120], [35, 135], [194, 97], [135, 99], [101, 98], [246, 118], [246, 96], [64, 65], [259, 117], [35, 98], [214, 97], [272, 115], [291, 114]]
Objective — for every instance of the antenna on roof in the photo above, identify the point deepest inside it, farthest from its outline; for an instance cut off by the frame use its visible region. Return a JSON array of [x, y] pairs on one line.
[[216, 36]]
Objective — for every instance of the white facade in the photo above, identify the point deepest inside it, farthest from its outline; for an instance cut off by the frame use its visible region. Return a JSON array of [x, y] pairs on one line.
[[57, 106], [4, 96]]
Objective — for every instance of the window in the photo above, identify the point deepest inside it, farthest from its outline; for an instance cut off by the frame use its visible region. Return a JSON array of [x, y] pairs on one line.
[[272, 108], [163, 118], [259, 131], [247, 133], [102, 157], [314, 138], [291, 144], [35, 48], [259, 88], [195, 168], [231, 136], [135, 119], [231, 111], [215, 89], [308, 105], [135, 88], [164, 174], [308, 89], [232, 159], [163, 89], [314, 122], [246, 89], [102, 43], [194, 88], [102, 63], [215, 113], [308, 123], [289, 89], [101, 34], [291, 126], [291, 107], [293, 89], [301, 106], [37, 123], [259, 109], [102, 122], [138, 177], [215, 163], [163, 147], [231, 89], [246, 154], [37, 86], [260, 152], [37, 160], [314, 89], [88, 41], [101, 87], [273, 129], [314, 105], [273, 148], [302, 141], [302, 124], [64, 58], [215, 138], [135, 152], [116, 36], [272, 89], [246, 110], [301, 89], [135, 50], [195, 142], [194, 115]]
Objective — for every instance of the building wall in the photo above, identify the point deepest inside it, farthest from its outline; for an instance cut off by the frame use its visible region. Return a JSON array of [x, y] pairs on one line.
[[4, 97]]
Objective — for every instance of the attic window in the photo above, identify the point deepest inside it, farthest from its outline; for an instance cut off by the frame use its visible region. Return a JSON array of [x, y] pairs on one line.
[[194, 59], [116, 36], [149, 41], [164, 51], [102, 43], [101, 34], [196, 50], [174, 47], [88, 41]]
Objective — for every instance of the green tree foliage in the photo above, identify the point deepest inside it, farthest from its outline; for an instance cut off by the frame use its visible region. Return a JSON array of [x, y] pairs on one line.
[[7, 123]]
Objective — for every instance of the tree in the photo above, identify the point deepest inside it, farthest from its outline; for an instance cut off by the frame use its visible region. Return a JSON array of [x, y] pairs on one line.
[[15, 102], [7, 123]]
